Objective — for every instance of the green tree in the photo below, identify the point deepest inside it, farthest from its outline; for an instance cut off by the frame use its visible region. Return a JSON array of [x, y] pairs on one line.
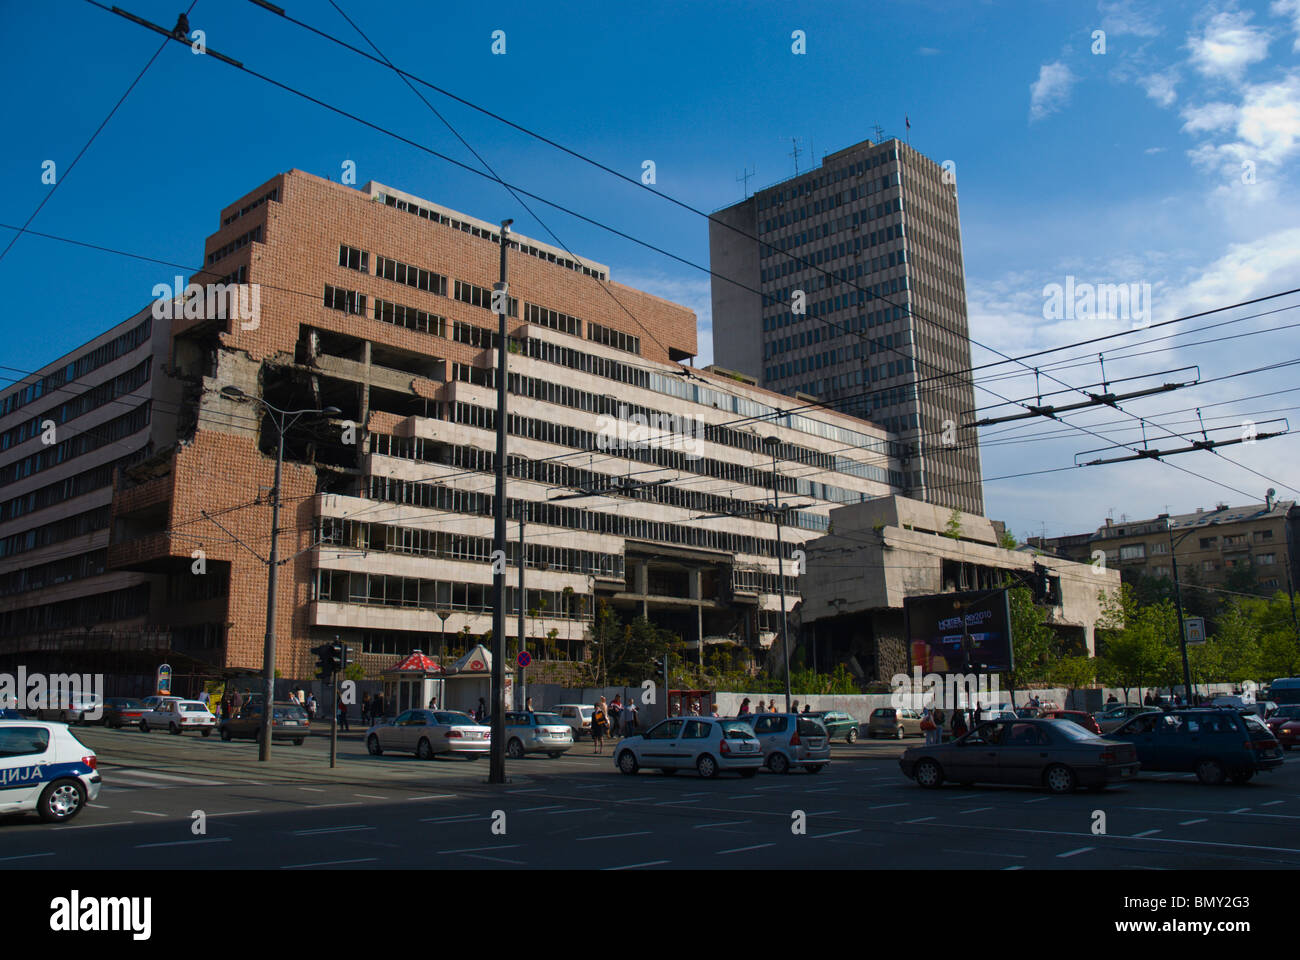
[[953, 529], [1137, 643], [1073, 673], [1007, 541], [354, 671], [1031, 641]]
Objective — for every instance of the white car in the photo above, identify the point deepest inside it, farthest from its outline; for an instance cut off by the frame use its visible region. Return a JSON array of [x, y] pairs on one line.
[[430, 733], [44, 767], [710, 745], [577, 716], [179, 716], [536, 733]]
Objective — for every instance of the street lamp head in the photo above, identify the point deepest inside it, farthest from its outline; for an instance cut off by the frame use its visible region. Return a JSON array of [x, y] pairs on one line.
[[770, 441], [233, 392]]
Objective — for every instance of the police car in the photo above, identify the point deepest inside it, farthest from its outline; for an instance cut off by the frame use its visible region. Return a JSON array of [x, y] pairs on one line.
[[43, 767]]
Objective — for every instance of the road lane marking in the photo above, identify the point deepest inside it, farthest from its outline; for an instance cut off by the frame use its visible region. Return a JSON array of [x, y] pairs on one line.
[[968, 796], [155, 775], [884, 806], [528, 790], [147, 813], [183, 843], [480, 856], [371, 796], [1067, 833], [1188, 823], [1074, 853], [434, 796], [1038, 800], [822, 813], [1145, 833], [634, 799], [553, 806], [320, 830], [616, 836], [633, 866], [989, 853], [27, 856], [729, 823], [669, 803], [560, 813], [232, 813], [313, 789], [1014, 866], [320, 806], [837, 833], [1239, 810], [1270, 816], [757, 846], [453, 818], [503, 846], [104, 806], [977, 810], [919, 820], [1272, 803], [86, 826], [328, 863]]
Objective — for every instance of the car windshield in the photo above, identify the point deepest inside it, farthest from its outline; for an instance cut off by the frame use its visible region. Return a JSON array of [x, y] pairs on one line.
[[289, 713], [1292, 711], [549, 719], [456, 719], [1071, 730], [194, 708], [1254, 724], [811, 728], [737, 730]]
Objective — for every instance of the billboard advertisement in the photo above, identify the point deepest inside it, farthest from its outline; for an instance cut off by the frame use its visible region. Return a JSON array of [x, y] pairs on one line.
[[966, 632]]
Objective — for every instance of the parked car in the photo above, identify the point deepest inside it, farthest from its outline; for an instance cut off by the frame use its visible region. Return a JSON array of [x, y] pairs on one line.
[[122, 711], [80, 708], [1214, 744], [45, 768], [577, 716], [709, 744], [179, 716], [1287, 733], [837, 723], [1116, 715], [1044, 707], [1081, 717], [894, 722], [431, 733], [1056, 754], [535, 733], [288, 722], [151, 703]]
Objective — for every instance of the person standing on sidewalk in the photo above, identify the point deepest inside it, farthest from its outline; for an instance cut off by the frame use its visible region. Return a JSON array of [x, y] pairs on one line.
[[343, 715], [367, 710], [629, 718], [599, 727], [615, 712]]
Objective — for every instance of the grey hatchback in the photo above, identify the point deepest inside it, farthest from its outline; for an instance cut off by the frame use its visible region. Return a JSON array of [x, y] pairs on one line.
[[792, 740]]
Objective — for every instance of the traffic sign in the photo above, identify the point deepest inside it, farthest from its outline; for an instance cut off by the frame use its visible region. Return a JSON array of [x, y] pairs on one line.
[[165, 679], [524, 658], [1195, 630]]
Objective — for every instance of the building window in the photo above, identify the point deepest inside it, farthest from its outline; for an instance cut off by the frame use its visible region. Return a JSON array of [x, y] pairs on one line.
[[1209, 566], [1135, 551], [349, 301], [481, 297], [1207, 543], [398, 272], [1266, 559], [354, 259], [553, 319], [613, 338]]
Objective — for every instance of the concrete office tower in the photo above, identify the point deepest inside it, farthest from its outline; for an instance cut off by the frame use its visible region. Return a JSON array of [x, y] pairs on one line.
[[873, 241]]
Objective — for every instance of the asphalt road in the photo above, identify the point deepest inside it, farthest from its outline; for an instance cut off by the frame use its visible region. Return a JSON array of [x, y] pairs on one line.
[[579, 812]]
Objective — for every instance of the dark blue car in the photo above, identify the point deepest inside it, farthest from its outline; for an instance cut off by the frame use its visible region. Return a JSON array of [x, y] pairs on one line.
[[1214, 744]]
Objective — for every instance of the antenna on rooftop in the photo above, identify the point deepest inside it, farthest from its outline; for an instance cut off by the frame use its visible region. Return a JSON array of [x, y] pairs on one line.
[[744, 178], [794, 152]]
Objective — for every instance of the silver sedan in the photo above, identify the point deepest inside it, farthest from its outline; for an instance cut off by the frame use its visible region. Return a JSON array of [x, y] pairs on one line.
[[430, 733]]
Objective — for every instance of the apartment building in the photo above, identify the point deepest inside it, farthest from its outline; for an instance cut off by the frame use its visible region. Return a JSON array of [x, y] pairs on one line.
[[65, 431], [845, 284], [1210, 544], [638, 478]]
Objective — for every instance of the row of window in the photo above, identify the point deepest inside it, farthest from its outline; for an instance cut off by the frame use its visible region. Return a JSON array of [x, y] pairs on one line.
[[435, 496], [818, 308], [780, 246], [613, 338], [69, 487], [389, 269], [359, 535], [806, 187], [374, 589], [243, 240], [554, 319], [65, 528], [99, 608], [828, 203], [81, 404], [410, 317], [436, 217], [56, 571], [84, 364], [477, 296], [271, 195], [82, 443]]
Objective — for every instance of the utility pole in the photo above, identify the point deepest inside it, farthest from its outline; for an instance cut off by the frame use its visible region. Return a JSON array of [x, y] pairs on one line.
[[334, 710], [1178, 599], [772, 444], [501, 304], [519, 687]]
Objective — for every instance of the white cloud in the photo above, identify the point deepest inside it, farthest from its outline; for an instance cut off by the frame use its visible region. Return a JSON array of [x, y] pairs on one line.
[[1150, 150], [1265, 124], [928, 51], [1121, 17], [1228, 45], [1160, 86], [1051, 91], [1209, 117], [1290, 8], [694, 293]]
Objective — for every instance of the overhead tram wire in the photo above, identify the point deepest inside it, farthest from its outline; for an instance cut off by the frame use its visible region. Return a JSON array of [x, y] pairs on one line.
[[59, 179]]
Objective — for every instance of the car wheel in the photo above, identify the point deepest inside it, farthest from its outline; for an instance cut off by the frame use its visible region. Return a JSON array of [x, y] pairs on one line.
[[1242, 776], [373, 747], [61, 800], [707, 767], [1059, 778], [852, 736], [898, 734], [226, 735], [1209, 772], [207, 732], [627, 762], [750, 773], [554, 754], [144, 726], [815, 767], [174, 730], [298, 742], [928, 774], [423, 750], [778, 763], [515, 750]]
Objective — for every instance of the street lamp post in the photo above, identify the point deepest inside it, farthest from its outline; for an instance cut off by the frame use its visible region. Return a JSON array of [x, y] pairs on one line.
[[282, 421], [1178, 600], [501, 303], [772, 443]]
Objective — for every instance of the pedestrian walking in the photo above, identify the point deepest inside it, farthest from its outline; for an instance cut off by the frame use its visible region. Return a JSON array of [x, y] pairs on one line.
[[378, 707], [528, 704], [629, 719], [599, 727], [794, 706], [481, 710], [807, 707], [744, 708], [343, 715], [771, 705], [615, 712], [959, 727], [367, 710], [433, 703], [311, 706], [929, 727]]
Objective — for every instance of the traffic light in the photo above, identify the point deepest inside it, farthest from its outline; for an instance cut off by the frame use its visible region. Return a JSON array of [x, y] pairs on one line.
[[1043, 586], [341, 654], [329, 658]]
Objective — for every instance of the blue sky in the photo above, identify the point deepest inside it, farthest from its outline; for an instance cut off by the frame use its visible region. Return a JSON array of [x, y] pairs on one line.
[[1115, 167]]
